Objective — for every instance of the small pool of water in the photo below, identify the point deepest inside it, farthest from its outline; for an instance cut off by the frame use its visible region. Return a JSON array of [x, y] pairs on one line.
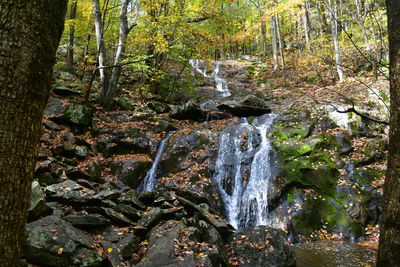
[[334, 253]]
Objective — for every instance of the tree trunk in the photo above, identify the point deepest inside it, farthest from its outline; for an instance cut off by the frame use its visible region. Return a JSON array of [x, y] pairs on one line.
[[70, 51], [29, 36], [280, 42], [274, 43], [307, 24], [389, 245], [264, 35], [123, 34], [334, 25], [101, 49]]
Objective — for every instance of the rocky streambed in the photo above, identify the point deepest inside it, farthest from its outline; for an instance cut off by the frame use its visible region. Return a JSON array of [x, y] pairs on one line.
[[86, 211]]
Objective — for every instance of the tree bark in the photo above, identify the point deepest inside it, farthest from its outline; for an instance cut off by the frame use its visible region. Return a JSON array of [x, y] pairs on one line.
[[29, 36], [101, 49], [389, 245], [334, 25], [70, 51]]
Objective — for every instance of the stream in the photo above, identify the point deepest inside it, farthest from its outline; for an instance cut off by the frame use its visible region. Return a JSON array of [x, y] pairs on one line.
[[246, 162]]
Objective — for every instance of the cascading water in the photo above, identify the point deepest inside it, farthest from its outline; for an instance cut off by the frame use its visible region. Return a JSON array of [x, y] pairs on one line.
[[243, 170], [149, 181], [220, 84]]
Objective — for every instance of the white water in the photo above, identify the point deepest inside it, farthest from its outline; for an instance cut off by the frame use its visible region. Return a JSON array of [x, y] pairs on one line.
[[150, 180], [245, 195], [220, 84]]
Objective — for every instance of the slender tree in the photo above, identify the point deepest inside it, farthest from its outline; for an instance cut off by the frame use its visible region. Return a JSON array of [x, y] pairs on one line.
[[71, 44], [389, 245], [29, 36]]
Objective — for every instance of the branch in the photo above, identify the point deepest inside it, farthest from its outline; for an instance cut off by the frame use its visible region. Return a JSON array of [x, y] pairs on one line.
[[126, 63]]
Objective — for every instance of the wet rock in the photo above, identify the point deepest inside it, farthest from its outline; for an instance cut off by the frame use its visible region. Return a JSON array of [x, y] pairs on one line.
[[78, 115], [261, 246], [87, 221], [177, 152], [131, 172], [53, 242], [188, 111], [245, 106], [38, 207]]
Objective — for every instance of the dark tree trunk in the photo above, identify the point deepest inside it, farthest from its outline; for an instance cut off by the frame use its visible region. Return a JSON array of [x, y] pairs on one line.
[[70, 51], [29, 36], [389, 245]]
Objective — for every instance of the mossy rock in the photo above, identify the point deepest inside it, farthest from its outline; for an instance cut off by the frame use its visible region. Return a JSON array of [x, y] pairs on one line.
[[78, 114]]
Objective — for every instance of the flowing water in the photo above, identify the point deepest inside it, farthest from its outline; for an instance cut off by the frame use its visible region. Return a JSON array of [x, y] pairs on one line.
[[150, 180], [220, 84], [243, 171]]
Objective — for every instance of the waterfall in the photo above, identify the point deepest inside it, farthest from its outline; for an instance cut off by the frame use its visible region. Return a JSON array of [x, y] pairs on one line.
[[243, 170], [149, 181], [220, 84]]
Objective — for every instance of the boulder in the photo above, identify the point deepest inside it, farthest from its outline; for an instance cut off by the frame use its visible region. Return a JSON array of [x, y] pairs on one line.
[[53, 242], [87, 221], [245, 106], [151, 218], [54, 107], [65, 92], [38, 207], [132, 198], [188, 111], [131, 172], [261, 246], [161, 246], [78, 115], [70, 192], [159, 107]]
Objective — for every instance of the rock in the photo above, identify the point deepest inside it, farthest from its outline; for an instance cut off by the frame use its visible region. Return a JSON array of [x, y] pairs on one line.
[[107, 195], [245, 106], [159, 107], [53, 242], [54, 107], [132, 198], [65, 92], [151, 218], [343, 143], [38, 207], [78, 115], [70, 192], [161, 246], [131, 172], [88, 221], [261, 246], [128, 211], [129, 141], [113, 255], [116, 217], [164, 126], [52, 126], [178, 150], [129, 245], [188, 111]]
